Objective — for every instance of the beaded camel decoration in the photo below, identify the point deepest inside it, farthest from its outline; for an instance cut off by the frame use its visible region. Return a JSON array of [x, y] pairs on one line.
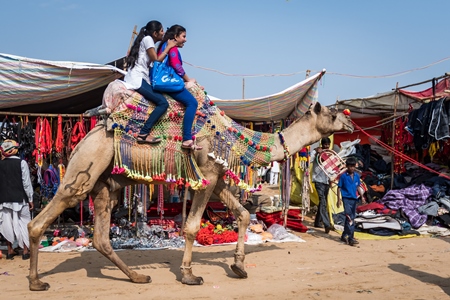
[[91, 170], [233, 146]]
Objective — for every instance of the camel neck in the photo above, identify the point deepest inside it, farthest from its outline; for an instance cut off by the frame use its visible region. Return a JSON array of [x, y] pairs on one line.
[[296, 136]]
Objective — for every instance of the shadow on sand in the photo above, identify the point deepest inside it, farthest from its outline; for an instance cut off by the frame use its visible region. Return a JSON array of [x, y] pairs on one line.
[[93, 262], [443, 283]]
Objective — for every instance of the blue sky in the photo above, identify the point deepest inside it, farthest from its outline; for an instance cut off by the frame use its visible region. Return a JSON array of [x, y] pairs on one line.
[[252, 37]]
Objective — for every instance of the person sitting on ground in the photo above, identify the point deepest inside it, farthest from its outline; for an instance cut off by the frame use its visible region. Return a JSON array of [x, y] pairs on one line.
[[141, 58], [178, 33], [16, 199]]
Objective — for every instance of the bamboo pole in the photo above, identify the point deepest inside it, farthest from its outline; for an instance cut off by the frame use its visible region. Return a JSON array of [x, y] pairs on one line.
[[132, 39], [393, 136], [13, 113], [426, 81]]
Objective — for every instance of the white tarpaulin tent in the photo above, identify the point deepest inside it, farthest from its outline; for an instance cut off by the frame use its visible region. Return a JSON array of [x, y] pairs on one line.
[[25, 81]]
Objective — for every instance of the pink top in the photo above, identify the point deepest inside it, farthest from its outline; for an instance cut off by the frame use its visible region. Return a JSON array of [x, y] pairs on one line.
[[175, 60]]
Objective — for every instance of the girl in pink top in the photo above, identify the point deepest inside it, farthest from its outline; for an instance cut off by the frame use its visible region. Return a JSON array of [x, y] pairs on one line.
[[178, 34]]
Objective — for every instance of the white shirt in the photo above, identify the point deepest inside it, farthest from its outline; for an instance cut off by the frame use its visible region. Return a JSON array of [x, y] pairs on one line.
[[275, 167], [141, 69]]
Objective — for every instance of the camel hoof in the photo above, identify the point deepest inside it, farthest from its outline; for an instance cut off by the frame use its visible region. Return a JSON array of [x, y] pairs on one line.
[[239, 271], [39, 286], [192, 280], [139, 278]]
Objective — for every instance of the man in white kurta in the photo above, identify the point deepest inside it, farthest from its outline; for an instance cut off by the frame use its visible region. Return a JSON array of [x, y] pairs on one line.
[[16, 198]]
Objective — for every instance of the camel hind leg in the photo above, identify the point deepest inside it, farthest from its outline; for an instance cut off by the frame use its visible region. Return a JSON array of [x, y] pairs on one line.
[[243, 218], [103, 206]]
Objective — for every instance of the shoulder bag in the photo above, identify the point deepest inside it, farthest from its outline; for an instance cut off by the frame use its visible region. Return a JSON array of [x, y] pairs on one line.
[[164, 78]]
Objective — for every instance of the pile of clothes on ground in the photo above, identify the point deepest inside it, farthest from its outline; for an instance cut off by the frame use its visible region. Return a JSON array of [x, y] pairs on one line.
[[419, 201]]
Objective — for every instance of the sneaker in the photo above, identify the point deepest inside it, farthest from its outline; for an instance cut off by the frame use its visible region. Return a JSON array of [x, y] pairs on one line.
[[345, 240], [353, 242]]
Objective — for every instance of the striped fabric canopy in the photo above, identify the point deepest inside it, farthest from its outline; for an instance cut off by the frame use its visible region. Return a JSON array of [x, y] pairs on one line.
[[26, 81], [293, 101]]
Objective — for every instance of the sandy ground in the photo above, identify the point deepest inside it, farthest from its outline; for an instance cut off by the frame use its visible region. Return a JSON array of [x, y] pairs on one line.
[[320, 268]]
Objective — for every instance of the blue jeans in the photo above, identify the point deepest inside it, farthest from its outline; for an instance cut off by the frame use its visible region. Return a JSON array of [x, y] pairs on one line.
[[322, 210], [158, 99], [191, 104], [350, 213]]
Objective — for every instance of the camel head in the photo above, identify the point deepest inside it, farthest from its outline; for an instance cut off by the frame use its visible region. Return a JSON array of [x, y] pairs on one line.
[[329, 120]]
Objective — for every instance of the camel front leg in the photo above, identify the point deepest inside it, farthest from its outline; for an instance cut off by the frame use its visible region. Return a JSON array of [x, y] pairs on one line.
[[192, 226], [103, 204], [37, 227], [243, 218]]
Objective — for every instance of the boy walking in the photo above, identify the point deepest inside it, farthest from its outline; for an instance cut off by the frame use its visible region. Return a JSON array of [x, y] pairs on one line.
[[349, 183]]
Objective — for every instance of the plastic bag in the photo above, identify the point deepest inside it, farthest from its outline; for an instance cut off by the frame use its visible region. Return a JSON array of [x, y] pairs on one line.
[[278, 232]]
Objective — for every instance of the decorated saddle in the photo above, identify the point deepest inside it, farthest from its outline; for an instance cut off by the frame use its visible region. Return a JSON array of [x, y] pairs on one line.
[[234, 147]]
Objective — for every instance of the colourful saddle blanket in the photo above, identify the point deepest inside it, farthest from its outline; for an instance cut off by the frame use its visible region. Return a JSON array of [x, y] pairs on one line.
[[232, 145]]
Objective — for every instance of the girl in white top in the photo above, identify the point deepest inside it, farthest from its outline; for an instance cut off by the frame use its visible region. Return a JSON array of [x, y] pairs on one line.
[[139, 61]]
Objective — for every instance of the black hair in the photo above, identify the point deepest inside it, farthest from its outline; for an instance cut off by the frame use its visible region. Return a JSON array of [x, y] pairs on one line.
[[171, 33], [325, 140], [351, 161], [149, 29]]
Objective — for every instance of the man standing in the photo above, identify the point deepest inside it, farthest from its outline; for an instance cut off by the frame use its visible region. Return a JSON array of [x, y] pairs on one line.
[[274, 172], [321, 182], [16, 198]]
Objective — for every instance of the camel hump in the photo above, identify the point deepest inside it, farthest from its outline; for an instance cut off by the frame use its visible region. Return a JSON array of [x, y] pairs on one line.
[[117, 96]]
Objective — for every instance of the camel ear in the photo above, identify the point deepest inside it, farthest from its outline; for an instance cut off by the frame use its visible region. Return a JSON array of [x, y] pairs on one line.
[[317, 108]]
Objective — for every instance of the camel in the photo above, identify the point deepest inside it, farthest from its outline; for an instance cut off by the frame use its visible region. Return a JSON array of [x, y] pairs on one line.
[[90, 172]]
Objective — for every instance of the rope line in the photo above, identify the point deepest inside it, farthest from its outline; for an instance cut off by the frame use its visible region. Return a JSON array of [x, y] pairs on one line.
[[398, 153], [329, 73], [371, 127]]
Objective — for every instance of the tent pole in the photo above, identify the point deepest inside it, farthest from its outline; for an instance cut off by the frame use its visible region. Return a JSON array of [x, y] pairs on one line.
[[132, 39], [243, 88], [393, 136], [426, 81]]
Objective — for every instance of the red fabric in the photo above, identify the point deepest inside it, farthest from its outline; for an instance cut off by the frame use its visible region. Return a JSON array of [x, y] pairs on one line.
[[59, 145], [294, 220], [165, 223], [93, 122], [365, 122], [440, 88], [377, 207], [78, 133], [43, 139], [370, 206]]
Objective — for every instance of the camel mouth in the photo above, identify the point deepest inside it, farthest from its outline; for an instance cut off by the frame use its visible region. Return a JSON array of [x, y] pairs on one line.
[[348, 128]]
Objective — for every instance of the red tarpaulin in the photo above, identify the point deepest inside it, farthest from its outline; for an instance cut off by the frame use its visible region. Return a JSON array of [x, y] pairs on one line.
[[439, 91], [366, 122]]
